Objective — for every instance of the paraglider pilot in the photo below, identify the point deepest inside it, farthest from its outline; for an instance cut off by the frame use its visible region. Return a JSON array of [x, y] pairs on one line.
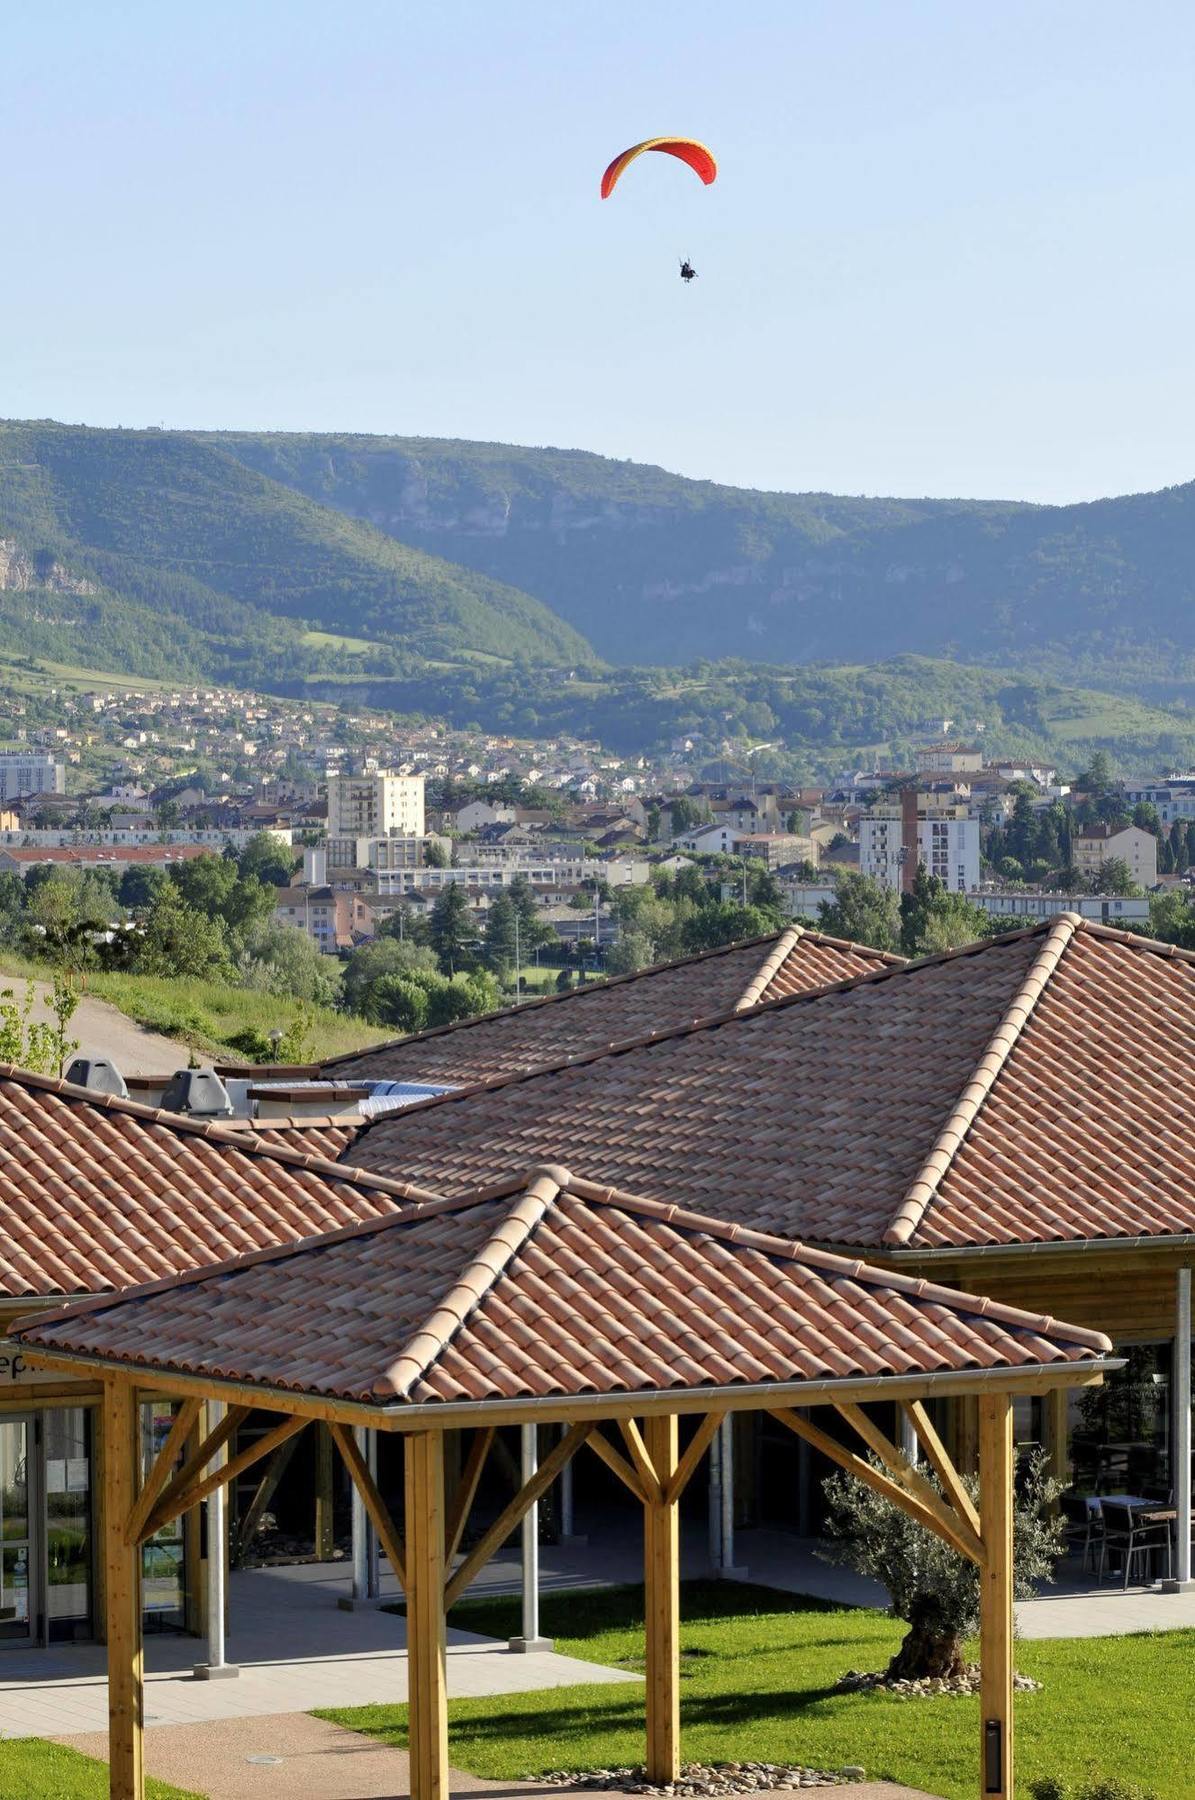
[[687, 271]]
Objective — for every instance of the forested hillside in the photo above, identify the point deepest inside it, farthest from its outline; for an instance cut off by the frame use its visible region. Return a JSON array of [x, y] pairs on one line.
[[174, 549], [651, 567]]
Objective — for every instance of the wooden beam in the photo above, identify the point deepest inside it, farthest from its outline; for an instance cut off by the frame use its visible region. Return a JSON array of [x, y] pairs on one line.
[[955, 1529], [939, 1460], [159, 1474], [698, 1444], [324, 1533], [466, 1491], [649, 1479], [263, 1494], [1058, 1435], [371, 1499], [176, 1502], [427, 1717], [122, 1583], [601, 1446], [196, 1463], [996, 1596], [506, 1521], [661, 1563], [865, 1472]]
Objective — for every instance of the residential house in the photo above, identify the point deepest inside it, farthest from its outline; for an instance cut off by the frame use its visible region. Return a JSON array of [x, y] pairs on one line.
[[1099, 844]]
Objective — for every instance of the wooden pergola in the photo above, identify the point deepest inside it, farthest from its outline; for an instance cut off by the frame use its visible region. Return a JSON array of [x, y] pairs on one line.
[[612, 1317]]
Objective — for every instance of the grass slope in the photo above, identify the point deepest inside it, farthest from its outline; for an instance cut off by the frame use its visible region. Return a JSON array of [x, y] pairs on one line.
[[758, 1670], [161, 522]]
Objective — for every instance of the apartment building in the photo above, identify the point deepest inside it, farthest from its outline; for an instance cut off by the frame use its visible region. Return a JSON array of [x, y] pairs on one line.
[[375, 805], [1092, 848], [26, 772], [894, 839]]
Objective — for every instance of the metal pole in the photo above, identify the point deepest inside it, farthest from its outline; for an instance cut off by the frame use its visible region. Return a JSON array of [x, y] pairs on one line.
[[1182, 1583], [715, 1503], [908, 1437], [528, 1464], [726, 1433], [373, 1565], [216, 1668]]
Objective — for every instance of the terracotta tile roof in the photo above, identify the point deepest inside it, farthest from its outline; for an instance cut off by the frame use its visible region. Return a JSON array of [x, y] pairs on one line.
[[329, 1138], [555, 1288], [809, 1116], [97, 1193], [587, 1018], [1037, 1087]]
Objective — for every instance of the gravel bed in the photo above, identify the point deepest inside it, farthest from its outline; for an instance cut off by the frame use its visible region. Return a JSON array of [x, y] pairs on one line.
[[706, 1779], [857, 1681]]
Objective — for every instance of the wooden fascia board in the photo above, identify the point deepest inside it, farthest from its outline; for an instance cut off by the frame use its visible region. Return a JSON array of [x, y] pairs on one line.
[[454, 1416]]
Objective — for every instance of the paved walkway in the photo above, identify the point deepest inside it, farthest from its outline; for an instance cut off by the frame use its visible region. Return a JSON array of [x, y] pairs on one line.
[[103, 1030], [295, 1649], [306, 1757]]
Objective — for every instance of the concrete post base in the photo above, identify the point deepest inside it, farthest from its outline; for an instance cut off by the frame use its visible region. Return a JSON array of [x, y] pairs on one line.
[[574, 1541], [347, 1602], [521, 1644], [1177, 1587], [205, 1672], [730, 1572]]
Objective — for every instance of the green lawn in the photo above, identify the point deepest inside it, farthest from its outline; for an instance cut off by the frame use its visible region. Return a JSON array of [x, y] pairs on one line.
[[29, 1768], [758, 1669]]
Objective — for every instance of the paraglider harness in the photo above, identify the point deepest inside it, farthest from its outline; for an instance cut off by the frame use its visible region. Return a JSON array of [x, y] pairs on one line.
[[687, 271]]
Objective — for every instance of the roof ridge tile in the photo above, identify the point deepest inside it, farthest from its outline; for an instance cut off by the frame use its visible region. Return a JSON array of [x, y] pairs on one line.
[[925, 1184], [759, 983]]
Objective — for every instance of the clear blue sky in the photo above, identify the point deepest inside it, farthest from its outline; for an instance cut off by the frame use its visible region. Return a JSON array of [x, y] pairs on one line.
[[950, 250]]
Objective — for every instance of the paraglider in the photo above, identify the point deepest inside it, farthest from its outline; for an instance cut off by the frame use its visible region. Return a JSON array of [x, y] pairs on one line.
[[699, 159], [687, 271]]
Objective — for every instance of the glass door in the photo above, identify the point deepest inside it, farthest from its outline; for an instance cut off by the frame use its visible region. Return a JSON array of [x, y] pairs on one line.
[[18, 1502]]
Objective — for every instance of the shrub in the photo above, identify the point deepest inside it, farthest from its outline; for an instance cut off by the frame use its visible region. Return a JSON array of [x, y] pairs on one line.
[[1047, 1787], [1112, 1787], [933, 1588]]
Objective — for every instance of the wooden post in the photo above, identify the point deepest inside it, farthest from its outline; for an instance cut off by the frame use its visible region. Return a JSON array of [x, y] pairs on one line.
[[426, 1661], [122, 1582], [325, 1540], [661, 1522], [1057, 1447], [995, 1596]]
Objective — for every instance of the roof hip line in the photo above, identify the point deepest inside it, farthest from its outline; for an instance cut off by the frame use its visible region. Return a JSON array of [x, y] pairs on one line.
[[759, 983], [492, 1260], [920, 1194]]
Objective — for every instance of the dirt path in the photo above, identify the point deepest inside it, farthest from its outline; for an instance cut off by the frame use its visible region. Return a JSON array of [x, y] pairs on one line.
[[103, 1030]]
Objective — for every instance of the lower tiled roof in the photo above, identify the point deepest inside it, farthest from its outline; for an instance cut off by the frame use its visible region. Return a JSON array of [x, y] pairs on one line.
[[605, 1012], [557, 1288], [328, 1138], [1034, 1088], [99, 1193]]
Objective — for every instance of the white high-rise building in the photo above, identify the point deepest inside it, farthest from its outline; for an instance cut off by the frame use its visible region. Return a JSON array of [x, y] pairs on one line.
[[26, 772], [375, 806], [947, 845]]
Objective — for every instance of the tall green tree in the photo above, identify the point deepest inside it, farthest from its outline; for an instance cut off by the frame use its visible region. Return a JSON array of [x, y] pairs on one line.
[[863, 911], [502, 946], [933, 919], [452, 932]]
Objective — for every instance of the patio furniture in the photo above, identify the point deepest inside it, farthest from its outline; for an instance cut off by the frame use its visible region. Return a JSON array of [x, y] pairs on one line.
[[1084, 1529], [1134, 1531]]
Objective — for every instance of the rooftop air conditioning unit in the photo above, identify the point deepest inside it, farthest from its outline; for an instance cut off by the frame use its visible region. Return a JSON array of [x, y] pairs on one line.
[[99, 1075], [198, 1092]]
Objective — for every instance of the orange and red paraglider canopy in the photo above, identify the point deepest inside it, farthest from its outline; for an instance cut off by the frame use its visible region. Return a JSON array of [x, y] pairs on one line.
[[699, 159]]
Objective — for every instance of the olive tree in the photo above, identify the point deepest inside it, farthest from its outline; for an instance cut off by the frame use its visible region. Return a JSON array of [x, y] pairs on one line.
[[930, 1586]]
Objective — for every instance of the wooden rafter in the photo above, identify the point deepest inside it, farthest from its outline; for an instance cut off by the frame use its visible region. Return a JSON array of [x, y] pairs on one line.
[[939, 1458], [951, 1526], [863, 1471], [199, 1458], [178, 1501], [697, 1446], [371, 1499], [263, 1494], [627, 1474], [159, 1474], [466, 1491], [644, 1468], [506, 1521]]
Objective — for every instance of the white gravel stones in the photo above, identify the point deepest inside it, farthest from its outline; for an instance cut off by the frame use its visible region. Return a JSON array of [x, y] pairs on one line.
[[704, 1779]]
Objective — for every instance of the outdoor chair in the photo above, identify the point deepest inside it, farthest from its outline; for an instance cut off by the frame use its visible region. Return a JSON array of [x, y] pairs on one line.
[[1084, 1528], [1130, 1535]]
